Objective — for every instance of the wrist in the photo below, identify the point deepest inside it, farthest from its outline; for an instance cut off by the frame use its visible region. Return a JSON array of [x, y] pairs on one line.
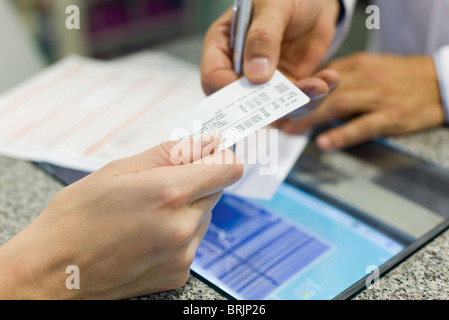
[[16, 278], [32, 266]]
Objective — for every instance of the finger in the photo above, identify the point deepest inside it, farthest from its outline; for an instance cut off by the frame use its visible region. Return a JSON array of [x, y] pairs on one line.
[[263, 42], [191, 182], [317, 90], [215, 173], [361, 129], [216, 63], [331, 77], [180, 152], [348, 64], [322, 83], [169, 153], [319, 117], [314, 88], [158, 156], [340, 105], [189, 151]]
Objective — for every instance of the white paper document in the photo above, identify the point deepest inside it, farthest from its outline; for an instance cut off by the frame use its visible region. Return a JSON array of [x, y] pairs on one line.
[[240, 109], [82, 113], [262, 177], [241, 113]]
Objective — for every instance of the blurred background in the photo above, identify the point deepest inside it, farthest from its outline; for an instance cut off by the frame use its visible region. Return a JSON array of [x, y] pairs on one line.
[[112, 28]]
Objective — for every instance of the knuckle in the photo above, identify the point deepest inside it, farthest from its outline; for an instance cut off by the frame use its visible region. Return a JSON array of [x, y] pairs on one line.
[[182, 233], [378, 125], [398, 112], [173, 196], [113, 165], [166, 147], [163, 151], [395, 122], [383, 125]]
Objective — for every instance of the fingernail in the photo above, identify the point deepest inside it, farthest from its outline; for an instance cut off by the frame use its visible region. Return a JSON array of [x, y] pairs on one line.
[[333, 85], [325, 143], [334, 81], [258, 68], [315, 94]]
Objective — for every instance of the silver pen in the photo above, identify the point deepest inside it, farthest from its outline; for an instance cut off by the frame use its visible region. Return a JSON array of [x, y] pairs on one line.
[[240, 24], [241, 21]]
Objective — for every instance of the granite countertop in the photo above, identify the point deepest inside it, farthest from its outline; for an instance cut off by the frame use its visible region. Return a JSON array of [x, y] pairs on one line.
[[25, 190]]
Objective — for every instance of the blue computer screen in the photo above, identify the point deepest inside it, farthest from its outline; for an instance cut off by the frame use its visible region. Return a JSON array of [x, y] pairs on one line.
[[294, 246]]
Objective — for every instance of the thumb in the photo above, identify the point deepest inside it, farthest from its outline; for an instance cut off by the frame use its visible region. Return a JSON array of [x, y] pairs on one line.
[[169, 154], [263, 42]]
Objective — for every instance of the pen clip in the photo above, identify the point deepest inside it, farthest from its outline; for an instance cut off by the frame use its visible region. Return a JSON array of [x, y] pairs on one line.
[[236, 9]]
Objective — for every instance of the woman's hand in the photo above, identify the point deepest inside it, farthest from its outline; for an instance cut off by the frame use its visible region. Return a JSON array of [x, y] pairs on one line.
[[132, 228]]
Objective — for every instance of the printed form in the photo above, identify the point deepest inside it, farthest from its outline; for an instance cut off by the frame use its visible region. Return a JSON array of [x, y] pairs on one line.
[[82, 113], [240, 109]]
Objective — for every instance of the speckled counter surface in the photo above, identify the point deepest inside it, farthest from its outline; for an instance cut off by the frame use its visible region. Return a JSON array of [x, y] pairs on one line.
[[25, 191]]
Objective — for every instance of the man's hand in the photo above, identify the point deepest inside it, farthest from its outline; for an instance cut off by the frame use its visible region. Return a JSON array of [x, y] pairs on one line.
[[132, 228], [380, 95], [290, 35]]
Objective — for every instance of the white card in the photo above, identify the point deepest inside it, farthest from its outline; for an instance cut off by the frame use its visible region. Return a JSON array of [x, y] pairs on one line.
[[239, 109]]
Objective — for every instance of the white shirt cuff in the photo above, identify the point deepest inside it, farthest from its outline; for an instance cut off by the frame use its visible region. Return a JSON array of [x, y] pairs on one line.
[[347, 7], [441, 59]]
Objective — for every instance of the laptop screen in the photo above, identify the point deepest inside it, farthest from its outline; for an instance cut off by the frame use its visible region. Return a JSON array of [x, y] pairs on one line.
[[283, 248]]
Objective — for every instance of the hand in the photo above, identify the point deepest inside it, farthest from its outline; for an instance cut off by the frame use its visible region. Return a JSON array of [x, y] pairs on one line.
[[290, 35], [381, 95], [132, 228], [317, 88]]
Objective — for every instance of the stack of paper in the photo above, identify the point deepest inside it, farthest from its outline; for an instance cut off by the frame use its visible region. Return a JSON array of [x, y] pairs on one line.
[[82, 113]]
